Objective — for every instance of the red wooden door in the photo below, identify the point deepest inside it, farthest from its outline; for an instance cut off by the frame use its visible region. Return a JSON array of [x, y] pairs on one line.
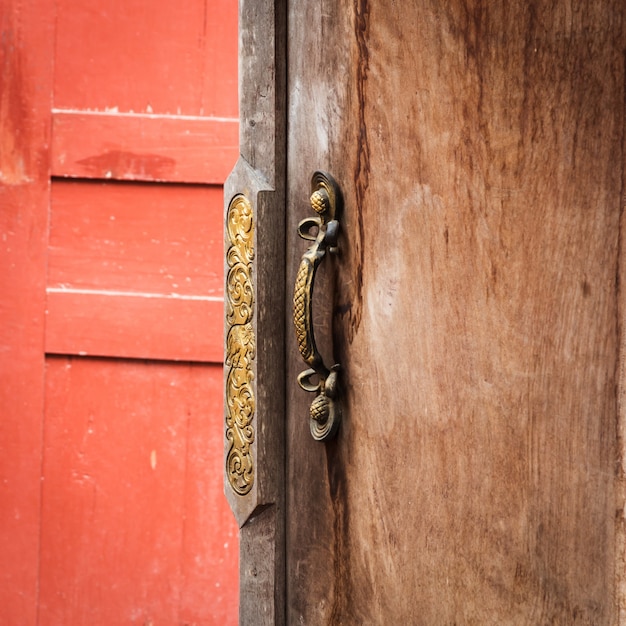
[[117, 129]]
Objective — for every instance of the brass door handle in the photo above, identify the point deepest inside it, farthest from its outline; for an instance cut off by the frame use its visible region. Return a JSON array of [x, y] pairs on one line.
[[326, 201]]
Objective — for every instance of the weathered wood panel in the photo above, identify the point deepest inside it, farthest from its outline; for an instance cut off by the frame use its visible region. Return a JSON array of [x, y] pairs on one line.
[[479, 147], [25, 99], [135, 271], [259, 176], [177, 58], [148, 147], [135, 528], [132, 237], [134, 325], [157, 539]]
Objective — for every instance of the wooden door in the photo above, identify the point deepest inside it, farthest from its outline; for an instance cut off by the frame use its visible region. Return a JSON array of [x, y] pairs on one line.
[[477, 475], [118, 126]]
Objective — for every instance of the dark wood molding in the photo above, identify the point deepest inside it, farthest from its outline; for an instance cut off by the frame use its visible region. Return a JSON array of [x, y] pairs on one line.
[[259, 175]]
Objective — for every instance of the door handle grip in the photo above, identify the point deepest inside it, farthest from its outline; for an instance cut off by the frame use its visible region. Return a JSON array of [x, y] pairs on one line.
[[326, 201]]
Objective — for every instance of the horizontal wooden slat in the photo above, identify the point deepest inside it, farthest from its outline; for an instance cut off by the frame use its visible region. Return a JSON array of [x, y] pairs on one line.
[[144, 147], [162, 57], [134, 325], [152, 238]]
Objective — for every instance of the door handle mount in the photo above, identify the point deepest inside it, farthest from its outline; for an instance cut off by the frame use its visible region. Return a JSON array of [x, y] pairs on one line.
[[323, 231]]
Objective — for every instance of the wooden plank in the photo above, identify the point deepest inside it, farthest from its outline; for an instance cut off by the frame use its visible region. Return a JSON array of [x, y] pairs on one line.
[[136, 528], [620, 470], [143, 147], [134, 270], [480, 150], [136, 237], [134, 325], [211, 588], [177, 59], [25, 99], [259, 176]]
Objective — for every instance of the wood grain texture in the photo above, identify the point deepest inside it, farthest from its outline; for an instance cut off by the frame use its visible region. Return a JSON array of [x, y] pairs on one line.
[[479, 148], [259, 175], [25, 99], [620, 466]]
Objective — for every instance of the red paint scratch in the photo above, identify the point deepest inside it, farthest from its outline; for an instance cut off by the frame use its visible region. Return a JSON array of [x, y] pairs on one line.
[[120, 164]]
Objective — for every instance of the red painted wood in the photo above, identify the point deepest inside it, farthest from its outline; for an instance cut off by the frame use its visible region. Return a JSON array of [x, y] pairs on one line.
[[121, 541], [25, 98], [134, 237], [144, 147], [135, 270], [137, 531], [146, 57], [144, 326]]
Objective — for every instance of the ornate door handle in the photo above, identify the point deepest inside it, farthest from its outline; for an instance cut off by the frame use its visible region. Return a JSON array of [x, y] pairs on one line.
[[326, 201]]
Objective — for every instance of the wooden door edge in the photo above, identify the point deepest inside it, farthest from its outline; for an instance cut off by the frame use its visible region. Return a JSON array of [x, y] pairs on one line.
[[26, 85], [254, 198], [620, 466]]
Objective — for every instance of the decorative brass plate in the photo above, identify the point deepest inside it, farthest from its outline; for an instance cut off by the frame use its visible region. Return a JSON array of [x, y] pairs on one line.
[[240, 345]]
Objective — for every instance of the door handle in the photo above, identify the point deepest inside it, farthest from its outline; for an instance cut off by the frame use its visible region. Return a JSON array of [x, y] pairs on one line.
[[327, 202]]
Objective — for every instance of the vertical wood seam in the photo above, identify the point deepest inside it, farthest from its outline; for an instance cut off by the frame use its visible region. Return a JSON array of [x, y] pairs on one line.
[[620, 387], [260, 176]]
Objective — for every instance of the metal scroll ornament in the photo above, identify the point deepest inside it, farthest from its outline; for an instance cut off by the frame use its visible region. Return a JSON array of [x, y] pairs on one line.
[[240, 346], [326, 201]]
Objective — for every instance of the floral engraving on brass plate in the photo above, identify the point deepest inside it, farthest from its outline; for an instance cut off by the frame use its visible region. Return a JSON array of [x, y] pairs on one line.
[[240, 346]]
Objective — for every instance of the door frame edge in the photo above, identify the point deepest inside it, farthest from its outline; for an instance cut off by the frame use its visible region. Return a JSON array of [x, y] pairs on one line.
[[259, 177]]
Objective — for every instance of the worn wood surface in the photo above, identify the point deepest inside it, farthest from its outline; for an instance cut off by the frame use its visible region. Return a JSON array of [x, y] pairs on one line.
[[135, 529], [155, 103], [479, 147], [132, 496], [25, 100], [135, 271], [620, 466], [120, 518], [148, 147], [259, 175], [177, 59]]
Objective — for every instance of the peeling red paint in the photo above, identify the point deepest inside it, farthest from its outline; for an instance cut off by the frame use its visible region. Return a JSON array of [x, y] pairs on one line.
[[120, 164], [15, 145]]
